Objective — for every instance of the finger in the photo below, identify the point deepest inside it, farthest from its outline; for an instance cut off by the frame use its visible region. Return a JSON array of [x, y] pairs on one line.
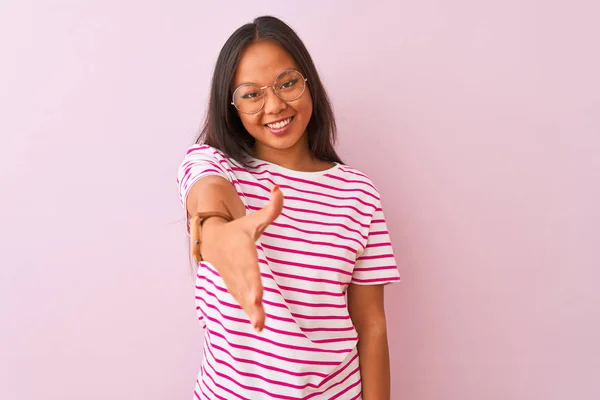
[[254, 308], [258, 318], [258, 221]]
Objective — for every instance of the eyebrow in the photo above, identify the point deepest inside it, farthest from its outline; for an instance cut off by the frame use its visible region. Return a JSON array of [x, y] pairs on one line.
[[254, 83]]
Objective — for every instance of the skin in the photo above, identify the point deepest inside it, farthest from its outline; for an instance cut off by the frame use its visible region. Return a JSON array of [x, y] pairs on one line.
[[366, 308], [230, 247], [260, 64]]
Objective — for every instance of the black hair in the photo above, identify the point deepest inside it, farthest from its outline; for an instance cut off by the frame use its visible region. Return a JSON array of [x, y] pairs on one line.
[[223, 129]]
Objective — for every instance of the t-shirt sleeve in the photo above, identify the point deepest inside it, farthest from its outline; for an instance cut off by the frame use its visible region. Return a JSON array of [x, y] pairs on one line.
[[200, 161], [377, 263]]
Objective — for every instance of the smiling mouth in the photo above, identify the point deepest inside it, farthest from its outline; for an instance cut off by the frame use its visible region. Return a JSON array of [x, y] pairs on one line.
[[280, 124]]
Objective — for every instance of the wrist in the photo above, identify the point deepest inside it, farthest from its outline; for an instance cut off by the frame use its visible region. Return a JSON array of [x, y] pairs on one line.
[[201, 226], [209, 225]]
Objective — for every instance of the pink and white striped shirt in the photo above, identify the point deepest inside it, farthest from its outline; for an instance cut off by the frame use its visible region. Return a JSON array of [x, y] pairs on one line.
[[332, 232]]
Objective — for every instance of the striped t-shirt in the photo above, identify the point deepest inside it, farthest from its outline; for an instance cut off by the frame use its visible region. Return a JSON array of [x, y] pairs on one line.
[[331, 233]]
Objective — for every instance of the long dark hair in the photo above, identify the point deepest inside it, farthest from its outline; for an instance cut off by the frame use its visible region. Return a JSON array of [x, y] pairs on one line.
[[223, 128]]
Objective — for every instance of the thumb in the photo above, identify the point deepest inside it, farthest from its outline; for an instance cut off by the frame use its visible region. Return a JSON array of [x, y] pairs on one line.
[[258, 221]]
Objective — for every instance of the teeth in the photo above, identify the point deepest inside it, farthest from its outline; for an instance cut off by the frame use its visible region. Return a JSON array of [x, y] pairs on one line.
[[280, 124]]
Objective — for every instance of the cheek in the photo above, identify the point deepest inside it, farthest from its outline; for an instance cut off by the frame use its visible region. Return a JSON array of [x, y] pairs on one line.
[[305, 107], [309, 109], [252, 119], [251, 122]]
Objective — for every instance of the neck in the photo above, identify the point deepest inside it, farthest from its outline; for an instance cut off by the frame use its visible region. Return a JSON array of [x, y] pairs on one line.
[[297, 157]]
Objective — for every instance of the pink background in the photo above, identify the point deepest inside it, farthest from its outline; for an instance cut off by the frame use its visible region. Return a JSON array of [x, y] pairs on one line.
[[478, 122]]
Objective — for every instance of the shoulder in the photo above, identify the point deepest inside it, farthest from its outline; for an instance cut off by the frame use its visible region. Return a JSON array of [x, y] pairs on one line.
[[353, 178], [204, 152], [204, 149]]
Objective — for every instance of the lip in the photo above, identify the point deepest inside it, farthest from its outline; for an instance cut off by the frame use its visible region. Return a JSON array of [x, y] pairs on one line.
[[279, 120], [280, 131]]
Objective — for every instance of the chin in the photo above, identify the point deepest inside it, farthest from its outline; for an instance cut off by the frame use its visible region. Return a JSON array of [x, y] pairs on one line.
[[283, 143]]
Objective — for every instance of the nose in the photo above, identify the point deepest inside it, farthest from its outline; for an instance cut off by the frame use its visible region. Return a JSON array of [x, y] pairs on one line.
[[273, 104]]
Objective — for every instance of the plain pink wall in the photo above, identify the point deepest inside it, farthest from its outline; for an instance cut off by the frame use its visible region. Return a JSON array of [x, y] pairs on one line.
[[478, 122]]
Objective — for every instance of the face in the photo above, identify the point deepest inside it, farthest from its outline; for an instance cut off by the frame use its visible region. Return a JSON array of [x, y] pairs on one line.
[[260, 64]]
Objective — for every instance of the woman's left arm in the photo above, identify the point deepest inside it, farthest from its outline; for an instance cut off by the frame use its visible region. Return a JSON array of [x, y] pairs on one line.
[[366, 307]]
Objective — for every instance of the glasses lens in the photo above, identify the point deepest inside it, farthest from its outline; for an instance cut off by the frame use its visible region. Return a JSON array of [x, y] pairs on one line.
[[289, 85], [248, 98]]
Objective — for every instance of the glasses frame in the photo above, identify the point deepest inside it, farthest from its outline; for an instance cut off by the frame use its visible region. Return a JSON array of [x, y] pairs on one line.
[[263, 94]]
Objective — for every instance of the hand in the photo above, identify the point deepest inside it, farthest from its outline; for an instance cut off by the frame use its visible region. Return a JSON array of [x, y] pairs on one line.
[[231, 248]]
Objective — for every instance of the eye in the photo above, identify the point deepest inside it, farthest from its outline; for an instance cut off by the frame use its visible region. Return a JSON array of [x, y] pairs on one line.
[[288, 84], [251, 95]]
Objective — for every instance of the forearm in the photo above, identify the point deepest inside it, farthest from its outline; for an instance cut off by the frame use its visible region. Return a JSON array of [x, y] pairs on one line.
[[374, 359], [366, 307]]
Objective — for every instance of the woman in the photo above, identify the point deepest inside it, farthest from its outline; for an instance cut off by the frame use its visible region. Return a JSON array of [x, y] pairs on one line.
[[284, 291]]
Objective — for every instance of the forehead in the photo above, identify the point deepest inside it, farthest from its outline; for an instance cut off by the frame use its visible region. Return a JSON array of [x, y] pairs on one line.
[[261, 62]]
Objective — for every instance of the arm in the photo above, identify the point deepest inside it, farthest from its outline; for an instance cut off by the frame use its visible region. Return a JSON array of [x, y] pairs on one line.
[[213, 193], [208, 192], [230, 246], [366, 307]]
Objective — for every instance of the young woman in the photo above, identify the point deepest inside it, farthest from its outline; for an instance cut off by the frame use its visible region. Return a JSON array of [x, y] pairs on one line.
[[290, 292]]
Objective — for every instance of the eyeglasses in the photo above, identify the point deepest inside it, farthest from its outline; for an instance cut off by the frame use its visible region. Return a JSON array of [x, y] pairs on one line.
[[289, 85]]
